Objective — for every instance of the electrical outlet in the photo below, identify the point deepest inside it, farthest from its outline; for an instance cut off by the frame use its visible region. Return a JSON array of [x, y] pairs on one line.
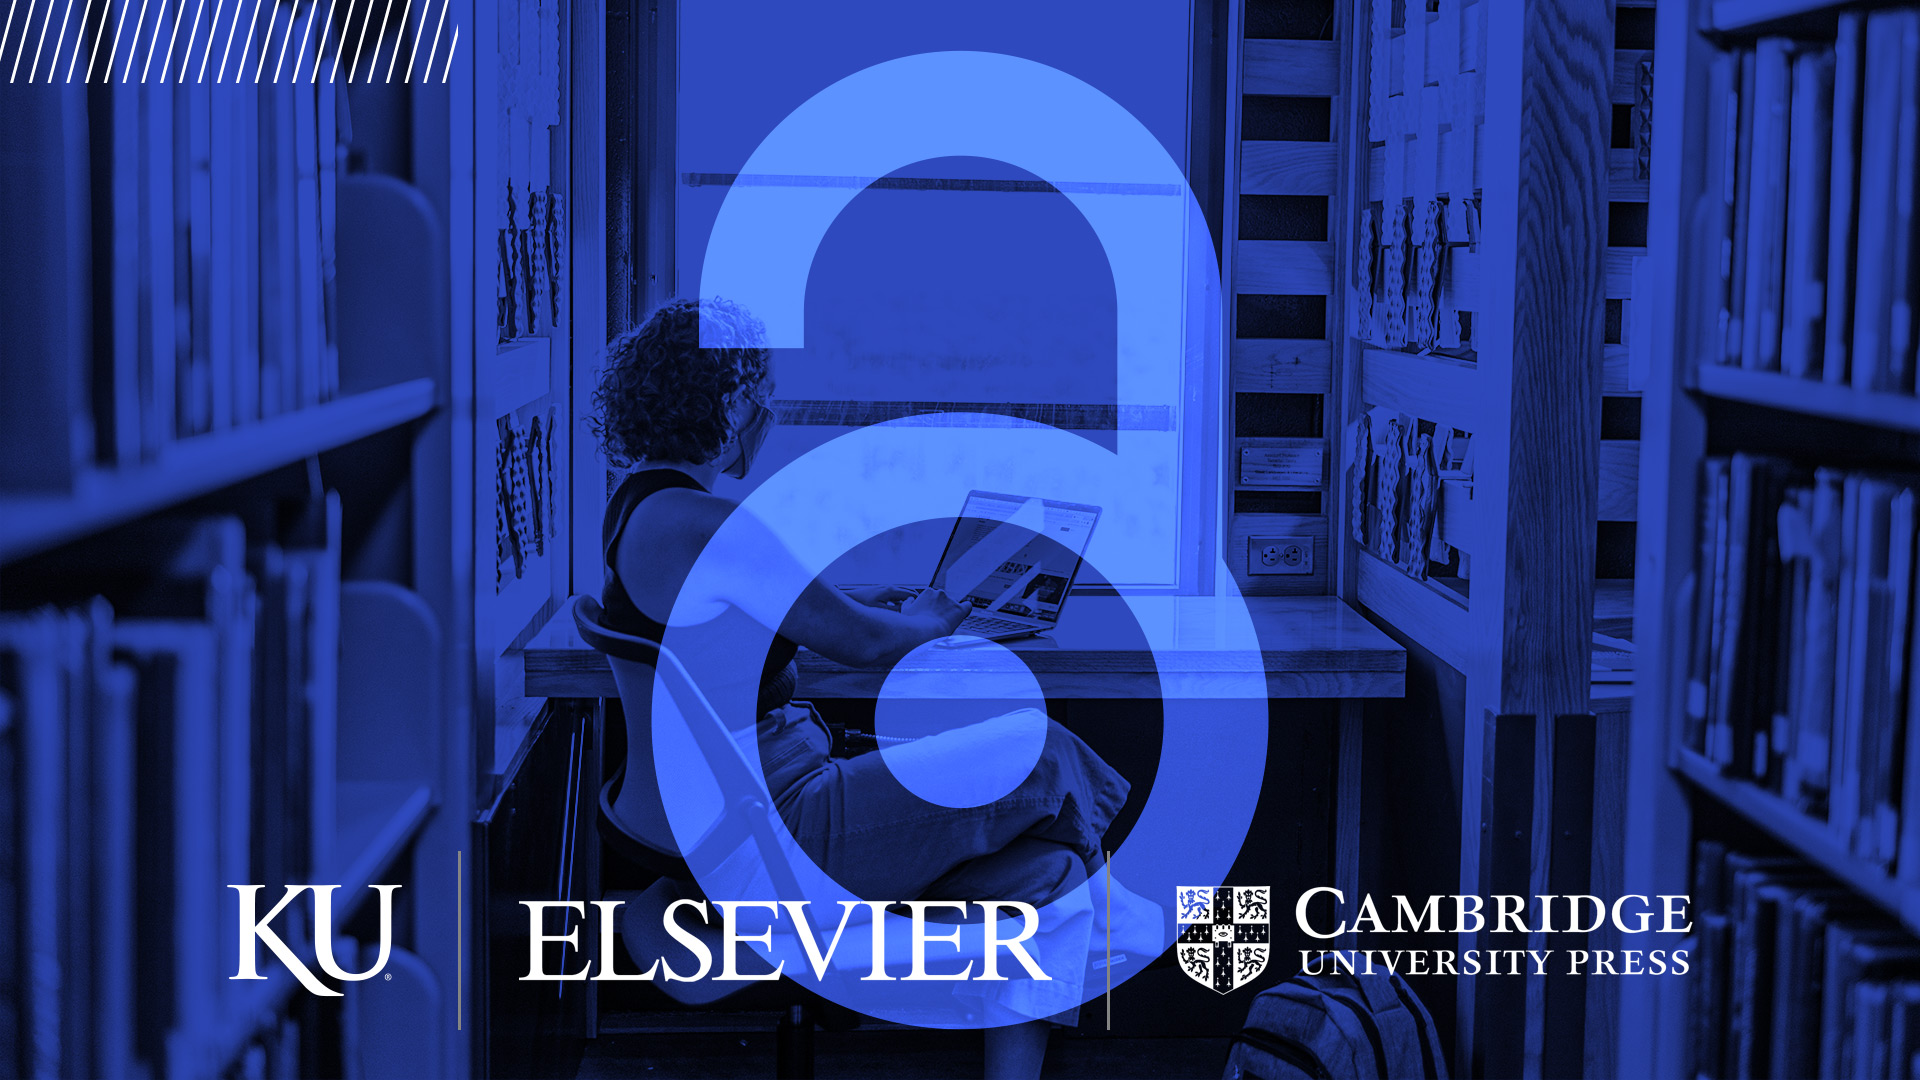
[[1280, 555]]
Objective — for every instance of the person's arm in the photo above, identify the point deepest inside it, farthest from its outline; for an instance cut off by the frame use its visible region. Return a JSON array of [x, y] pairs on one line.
[[842, 629], [743, 564]]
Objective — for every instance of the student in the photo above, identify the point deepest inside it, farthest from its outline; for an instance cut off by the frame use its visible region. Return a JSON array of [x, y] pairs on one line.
[[679, 415]]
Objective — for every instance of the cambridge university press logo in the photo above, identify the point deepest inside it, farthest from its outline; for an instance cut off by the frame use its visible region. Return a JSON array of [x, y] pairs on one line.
[[1224, 934]]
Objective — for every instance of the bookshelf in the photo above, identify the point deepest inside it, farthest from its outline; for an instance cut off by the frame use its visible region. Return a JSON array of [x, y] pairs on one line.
[[1805, 765], [201, 464], [1772, 390], [231, 628]]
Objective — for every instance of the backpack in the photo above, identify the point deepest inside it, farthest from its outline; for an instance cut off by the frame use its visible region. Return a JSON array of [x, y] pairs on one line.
[[1337, 1026]]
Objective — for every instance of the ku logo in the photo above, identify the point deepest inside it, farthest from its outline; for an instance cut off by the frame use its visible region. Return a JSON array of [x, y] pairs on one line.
[[257, 930], [1224, 934]]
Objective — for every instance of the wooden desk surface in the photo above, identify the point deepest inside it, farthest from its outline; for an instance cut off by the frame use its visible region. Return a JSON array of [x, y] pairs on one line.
[[1311, 647]]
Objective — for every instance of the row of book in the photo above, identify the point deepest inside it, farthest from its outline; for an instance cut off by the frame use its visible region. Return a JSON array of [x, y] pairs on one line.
[[206, 229], [165, 735], [1802, 646], [1816, 158], [1794, 975]]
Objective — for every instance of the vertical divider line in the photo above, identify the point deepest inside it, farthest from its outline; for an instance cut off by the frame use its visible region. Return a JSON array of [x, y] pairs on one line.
[[459, 941]]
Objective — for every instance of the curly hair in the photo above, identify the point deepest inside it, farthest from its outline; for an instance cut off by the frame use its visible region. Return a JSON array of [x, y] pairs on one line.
[[662, 397]]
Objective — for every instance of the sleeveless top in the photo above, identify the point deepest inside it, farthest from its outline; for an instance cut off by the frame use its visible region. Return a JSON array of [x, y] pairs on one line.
[[778, 676]]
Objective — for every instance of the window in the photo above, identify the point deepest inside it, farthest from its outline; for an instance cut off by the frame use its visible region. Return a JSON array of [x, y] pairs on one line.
[[956, 284]]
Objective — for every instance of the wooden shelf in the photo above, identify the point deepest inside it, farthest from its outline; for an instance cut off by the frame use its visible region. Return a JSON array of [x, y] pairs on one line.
[[202, 464], [1271, 66], [1806, 836], [1430, 614], [1425, 386], [1619, 479], [1733, 16], [1808, 397], [1613, 598], [376, 819]]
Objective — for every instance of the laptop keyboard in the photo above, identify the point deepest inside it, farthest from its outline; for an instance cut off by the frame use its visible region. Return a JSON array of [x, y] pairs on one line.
[[986, 624]]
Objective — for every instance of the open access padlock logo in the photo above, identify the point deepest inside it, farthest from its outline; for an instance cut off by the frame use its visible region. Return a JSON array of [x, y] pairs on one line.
[[878, 478]]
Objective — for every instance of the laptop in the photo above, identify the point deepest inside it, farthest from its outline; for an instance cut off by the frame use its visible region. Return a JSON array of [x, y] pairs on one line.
[[1014, 559]]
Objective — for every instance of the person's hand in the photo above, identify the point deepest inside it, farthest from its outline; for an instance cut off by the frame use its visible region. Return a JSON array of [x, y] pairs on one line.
[[886, 596], [933, 605]]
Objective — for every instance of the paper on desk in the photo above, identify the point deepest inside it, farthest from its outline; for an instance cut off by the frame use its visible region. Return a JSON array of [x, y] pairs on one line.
[[979, 562]]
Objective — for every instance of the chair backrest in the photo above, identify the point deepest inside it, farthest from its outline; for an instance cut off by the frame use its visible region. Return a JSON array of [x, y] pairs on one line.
[[745, 812]]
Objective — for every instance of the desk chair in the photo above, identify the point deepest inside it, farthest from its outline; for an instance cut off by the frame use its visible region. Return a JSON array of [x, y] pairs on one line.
[[635, 662], [748, 818]]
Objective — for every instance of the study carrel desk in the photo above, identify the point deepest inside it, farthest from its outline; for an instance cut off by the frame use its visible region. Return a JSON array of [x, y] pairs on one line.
[[1313, 647]]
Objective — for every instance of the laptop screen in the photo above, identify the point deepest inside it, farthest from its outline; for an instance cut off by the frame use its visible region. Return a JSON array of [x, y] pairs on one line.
[[1013, 555]]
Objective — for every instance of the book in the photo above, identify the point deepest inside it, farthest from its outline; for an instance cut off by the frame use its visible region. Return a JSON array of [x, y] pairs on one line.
[[1800, 972], [1886, 114], [158, 339], [310, 302], [1800, 665], [1708, 1006], [114, 120], [1759, 899], [1896, 373], [225, 293], [1709, 577], [329, 150], [1742, 192], [1861, 714], [1856, 952], [1767, 202], [1809, 172], [279, 288], [1815, 697], [176, 664], [38, 673], [250, 257], [207, 402], [1903, 1028], [1890, 697], [1722, 156], [1872, 1018], [1843, 180], [1795, 531], [115, 841]]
